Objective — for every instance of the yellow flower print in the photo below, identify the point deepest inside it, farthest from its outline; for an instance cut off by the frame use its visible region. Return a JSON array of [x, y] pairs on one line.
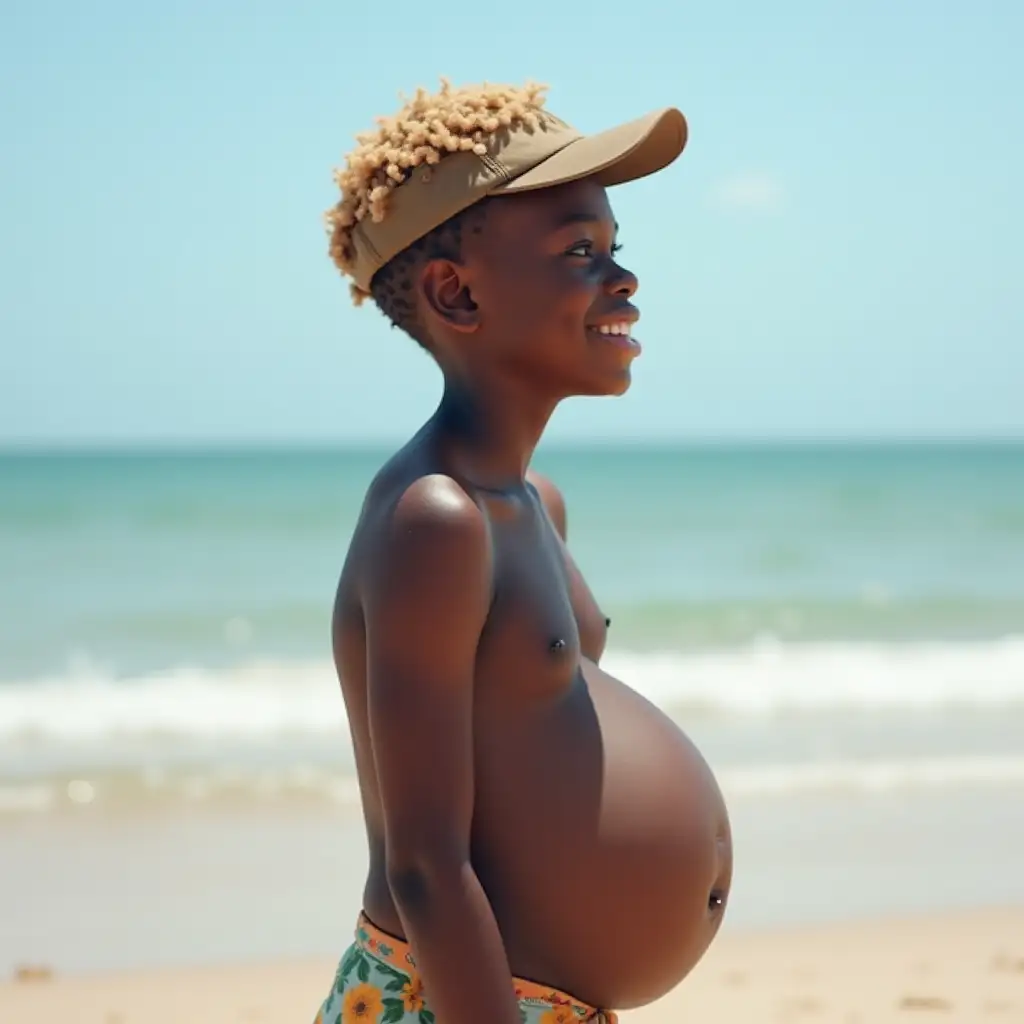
[[559, 1015], [412, 994], [363, 1005]]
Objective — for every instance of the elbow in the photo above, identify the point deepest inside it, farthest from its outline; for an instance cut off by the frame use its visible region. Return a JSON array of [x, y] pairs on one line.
[[419, 882]]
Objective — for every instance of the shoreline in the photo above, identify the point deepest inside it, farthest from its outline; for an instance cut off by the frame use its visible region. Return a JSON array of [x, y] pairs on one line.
[[209, 884], [965, 966]]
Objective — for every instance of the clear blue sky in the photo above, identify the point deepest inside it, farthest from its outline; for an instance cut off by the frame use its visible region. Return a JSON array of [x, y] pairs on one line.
[[838, 252]]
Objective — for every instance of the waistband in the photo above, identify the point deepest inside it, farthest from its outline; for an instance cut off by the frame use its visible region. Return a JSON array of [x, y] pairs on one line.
[[398, 953]]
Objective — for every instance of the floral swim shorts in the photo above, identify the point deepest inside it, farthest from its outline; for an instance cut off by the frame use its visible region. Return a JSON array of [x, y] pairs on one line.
[[377, 983]]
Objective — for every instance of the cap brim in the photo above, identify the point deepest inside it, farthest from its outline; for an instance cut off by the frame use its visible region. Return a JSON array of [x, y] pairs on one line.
[[620, 154]]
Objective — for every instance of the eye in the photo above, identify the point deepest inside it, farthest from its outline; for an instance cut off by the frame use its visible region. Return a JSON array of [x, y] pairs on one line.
[[586, 249], [583, 249]]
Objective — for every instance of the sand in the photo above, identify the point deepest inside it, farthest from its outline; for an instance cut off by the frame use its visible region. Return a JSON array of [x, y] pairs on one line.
[[962, 967]]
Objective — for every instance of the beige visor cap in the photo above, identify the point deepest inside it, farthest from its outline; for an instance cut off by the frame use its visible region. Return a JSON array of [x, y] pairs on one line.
[[517, 159]]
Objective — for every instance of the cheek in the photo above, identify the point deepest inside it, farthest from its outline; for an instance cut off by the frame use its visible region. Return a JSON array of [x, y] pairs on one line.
[[550, 303], [563, 303]]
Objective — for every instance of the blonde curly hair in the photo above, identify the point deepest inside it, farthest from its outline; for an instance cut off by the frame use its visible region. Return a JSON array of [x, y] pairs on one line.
[[427, 128]]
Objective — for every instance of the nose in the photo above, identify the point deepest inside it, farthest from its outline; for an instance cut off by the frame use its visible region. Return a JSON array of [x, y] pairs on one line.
[[621, 282]]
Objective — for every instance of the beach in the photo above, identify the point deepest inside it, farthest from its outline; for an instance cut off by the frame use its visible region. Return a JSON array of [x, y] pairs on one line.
[[964, 967], [848, 906], [840, 631], [801, 519]]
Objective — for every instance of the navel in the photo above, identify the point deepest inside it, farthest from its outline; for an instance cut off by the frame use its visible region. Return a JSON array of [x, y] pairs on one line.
[[557, 645]]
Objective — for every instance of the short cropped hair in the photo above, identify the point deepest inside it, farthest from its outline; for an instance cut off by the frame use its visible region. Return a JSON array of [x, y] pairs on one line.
[[424, 131], [392, 286]]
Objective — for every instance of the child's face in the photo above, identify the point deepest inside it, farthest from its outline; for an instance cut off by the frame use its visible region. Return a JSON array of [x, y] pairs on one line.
[[542, 275]]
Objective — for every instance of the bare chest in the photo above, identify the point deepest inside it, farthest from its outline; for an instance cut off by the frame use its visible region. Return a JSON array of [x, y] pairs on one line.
[[543, 618]]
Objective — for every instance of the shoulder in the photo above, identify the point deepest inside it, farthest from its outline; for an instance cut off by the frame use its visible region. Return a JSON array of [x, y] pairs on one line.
[[434, 506], [428, 526], [427, 584]]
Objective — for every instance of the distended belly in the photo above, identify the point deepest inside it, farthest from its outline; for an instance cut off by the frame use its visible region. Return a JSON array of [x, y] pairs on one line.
[[600, 837]]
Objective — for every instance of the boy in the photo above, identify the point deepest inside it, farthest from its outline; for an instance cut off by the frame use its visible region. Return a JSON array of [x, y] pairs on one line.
[[528, 816]]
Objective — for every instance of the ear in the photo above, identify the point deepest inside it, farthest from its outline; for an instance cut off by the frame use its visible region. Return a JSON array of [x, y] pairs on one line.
[[445, 290]]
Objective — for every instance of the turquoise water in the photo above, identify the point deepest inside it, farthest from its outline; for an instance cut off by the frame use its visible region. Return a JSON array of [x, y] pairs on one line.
[[142, 562], [164, 612]]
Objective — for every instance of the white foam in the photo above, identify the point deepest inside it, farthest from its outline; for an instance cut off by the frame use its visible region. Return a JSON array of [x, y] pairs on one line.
[[773, 781], [251, 701], [770, 675], [262, 700], [872, 776]]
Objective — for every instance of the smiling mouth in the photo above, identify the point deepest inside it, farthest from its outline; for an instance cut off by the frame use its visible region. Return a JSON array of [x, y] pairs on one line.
[[619, 334]]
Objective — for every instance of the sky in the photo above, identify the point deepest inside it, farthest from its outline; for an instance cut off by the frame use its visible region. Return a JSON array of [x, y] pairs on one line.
[[837, 254]]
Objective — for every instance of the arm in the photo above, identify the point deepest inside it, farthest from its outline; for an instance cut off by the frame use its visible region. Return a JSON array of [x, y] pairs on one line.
[[425, 604]]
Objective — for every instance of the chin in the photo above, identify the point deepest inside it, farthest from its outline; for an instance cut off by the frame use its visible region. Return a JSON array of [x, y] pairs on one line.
[[603, 386], [622, 385], [617, 386]]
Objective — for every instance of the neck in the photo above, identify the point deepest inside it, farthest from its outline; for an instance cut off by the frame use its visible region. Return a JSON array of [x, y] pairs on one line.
[[492, 428]]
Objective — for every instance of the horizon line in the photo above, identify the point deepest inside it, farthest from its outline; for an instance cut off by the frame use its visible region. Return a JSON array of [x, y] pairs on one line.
[[171, 446]]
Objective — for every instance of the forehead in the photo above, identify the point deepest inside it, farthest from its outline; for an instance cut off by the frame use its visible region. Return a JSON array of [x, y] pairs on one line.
[[545, 210]]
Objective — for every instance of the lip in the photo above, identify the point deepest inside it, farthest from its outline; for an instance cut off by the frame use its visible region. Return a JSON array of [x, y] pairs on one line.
[[626, 315], [624, 342]]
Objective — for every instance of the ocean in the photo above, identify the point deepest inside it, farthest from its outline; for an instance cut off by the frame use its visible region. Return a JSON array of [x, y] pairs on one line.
[[819, 618], [840, 629]]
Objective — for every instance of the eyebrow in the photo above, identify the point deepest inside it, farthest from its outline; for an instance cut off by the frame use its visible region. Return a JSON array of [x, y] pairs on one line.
[[581, 217]]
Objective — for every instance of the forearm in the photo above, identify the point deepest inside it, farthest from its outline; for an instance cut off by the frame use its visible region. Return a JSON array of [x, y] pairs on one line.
[[459, 951]]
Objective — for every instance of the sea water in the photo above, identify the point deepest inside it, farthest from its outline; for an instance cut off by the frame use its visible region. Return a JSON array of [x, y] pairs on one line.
[[818, 618]]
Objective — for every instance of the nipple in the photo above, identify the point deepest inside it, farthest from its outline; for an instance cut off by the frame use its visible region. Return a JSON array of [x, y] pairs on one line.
[[607, 622]]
